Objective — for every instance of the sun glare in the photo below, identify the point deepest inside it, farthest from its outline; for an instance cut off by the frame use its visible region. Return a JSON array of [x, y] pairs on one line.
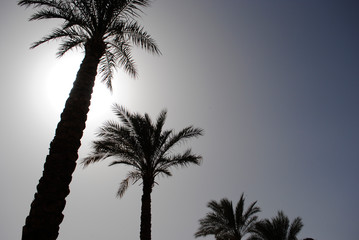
[[60, 80]]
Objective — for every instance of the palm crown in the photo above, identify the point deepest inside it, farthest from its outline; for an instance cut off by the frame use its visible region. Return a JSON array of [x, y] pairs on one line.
[[109, 24], [142, 144], [227, 223]]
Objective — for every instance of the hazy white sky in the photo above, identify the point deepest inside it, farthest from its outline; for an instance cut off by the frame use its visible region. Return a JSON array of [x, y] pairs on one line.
[[273, 83]]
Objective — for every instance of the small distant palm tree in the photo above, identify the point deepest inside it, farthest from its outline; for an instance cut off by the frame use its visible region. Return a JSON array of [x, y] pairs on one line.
[[138, 142], [226, 223], [106, 30], [278, 228]]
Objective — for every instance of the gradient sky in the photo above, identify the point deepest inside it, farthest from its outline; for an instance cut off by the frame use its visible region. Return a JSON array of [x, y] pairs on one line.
[[274, 84]]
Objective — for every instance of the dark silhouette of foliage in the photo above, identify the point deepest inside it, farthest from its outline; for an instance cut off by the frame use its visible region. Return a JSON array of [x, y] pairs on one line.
[[138, 142], [226, 223], [278, 228], [106, 30]]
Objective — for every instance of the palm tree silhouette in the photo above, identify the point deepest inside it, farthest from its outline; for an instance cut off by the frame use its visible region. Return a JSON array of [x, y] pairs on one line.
[[147, 148], [225, 223], [106, 30], [278, 228]]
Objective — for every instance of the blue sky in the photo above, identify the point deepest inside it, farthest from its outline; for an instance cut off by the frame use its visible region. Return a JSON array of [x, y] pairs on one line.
[[274, 84]]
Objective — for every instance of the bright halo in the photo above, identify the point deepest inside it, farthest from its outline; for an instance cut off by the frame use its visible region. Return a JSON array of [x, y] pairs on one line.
[[60, 81]]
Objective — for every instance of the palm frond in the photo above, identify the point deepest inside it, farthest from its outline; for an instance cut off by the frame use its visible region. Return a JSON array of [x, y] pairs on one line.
[[160, 121], [86, 12], [183, 135], [124, 57], [94, 157], [122, 149], [141, 38], [67, 11], [247, 219], [48, 14], [59, 33], [215, 222], [128, 162], [249, 225], [132, 177], [251, 210], [130, 8], [70, 44], [107, 65], [110, 128], [295, 228], [181, 160], [162, 172], [264, 230], [160, 138], [123, 115], [130, 122], [280, 224], [39, 3], [239, 210]]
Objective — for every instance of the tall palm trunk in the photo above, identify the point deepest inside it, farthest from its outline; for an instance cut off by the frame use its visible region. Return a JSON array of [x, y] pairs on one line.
[[45, 216], [145, 232]]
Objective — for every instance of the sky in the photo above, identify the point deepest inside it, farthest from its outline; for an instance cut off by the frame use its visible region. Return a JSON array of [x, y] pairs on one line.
[[274, 85]]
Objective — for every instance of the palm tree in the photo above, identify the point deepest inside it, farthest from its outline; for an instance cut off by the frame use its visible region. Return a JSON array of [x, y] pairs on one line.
[[225, 223], [147, 148], [278, 228], [106, 30]]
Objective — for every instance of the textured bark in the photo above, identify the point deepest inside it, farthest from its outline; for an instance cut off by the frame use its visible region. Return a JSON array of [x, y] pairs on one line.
[[145, 231], [45, 215]]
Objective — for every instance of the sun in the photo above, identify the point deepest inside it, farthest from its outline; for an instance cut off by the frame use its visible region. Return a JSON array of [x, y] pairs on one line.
[[59, 82], [60, 78]]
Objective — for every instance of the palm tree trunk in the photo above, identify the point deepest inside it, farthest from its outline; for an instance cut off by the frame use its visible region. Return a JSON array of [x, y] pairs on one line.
[[45, 215], [145, 232]]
